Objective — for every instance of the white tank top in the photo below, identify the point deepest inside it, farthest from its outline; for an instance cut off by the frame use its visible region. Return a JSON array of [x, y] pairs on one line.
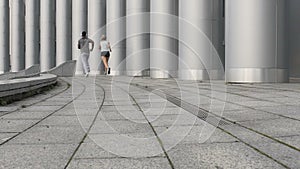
[[104, 46]]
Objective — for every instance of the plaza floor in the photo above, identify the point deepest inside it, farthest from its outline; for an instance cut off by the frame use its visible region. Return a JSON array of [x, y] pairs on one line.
[[141, 123]]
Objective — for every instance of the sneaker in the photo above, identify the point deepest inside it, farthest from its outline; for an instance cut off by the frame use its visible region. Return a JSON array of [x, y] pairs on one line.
[[108, 70], [87, 75]]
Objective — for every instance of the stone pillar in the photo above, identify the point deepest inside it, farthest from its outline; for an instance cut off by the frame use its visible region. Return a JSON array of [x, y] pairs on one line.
[[255, 41], [164, 39], [32, 25], [63, 31], [199, 36], [48, 50], [138, 38], [4, 33], [17, 35], [116, 34], [79, 24], [96, 25]]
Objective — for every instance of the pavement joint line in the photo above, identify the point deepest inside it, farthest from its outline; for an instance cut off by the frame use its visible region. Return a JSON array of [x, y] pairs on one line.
[[118, 157], [268, 88], [248, 106], [263, 153], [43, 118], [243, 121], [152, 127], [237, 123], [291, 118], [89, 129], [40, 101], [256, 149]]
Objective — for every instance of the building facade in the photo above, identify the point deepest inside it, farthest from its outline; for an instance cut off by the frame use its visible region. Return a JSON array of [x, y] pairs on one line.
[[236, 40]]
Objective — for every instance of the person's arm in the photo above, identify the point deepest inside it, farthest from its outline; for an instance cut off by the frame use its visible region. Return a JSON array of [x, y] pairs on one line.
[[78, 45], [109, 47], [93, 45], [100, 46]]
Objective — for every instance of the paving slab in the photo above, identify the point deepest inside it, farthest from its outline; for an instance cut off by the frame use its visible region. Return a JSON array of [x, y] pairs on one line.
[[126, 145], [91, 150], [275, 127], [291, 140], [219, 155], [6, 136], [247, 115], [50, 135], [121, 163], [25, 115], [120, 126], [53, 156], [292, 111], [15, 125]]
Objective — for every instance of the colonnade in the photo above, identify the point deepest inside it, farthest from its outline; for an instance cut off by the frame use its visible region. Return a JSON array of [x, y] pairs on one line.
[[160, 38]]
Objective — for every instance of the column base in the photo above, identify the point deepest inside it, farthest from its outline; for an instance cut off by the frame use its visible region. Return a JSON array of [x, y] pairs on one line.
[[195, 74], [257, 75], [159, 74], [138, 73]]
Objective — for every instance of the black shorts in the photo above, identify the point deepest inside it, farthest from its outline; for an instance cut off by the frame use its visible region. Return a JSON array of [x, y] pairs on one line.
[[106, 54]]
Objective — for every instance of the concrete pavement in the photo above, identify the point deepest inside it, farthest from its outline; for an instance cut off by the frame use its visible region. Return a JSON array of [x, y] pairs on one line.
[[125, 122]]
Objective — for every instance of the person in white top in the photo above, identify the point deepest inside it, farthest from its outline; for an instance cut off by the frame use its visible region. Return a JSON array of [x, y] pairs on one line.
[[84, 46], [105, 52]]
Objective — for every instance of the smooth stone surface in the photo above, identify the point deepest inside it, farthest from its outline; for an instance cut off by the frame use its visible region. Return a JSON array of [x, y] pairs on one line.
[[121, 163], [15, 125], [53, 156], [223, 155], [50, 135]]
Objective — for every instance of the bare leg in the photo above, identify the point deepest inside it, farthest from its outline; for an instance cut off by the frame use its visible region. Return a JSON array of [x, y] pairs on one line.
[[105, 62]]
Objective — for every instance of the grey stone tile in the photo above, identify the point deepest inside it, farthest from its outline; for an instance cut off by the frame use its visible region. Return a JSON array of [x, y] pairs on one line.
[[54, 103], [247, 115], [215, 106], [35, 156], [185, 119], [67, 120], [121, 163], [20, 115], [289, 111], [285, 155], [6, 136], [15, 125], [122, 126], [291, 140], [91, 150], [221, 155], [122, 115], [257, 103], [163, 111], [50, 135], [192, 135], [8, 108], [127, 145], [275, 127], [42, 108]]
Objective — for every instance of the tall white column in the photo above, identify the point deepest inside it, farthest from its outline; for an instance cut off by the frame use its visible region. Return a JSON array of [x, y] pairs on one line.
[[256, 53], [116, 34], [79, 24], [47, 34], [96, 25], [32, 8], [164, 35], [17, 35], [293, 33], [200, 42], [138, 38], [63, 31], [4, 33]]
